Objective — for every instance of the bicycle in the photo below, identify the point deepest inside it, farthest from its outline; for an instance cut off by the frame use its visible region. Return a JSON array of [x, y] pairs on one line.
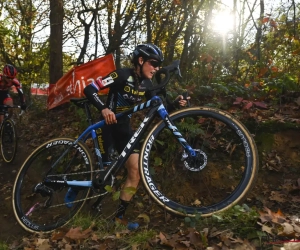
[[9, 142], [194, 161]]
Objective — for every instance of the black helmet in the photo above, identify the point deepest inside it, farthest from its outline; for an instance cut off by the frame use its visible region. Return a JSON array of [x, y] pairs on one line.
[[9, 71], [147, 51]]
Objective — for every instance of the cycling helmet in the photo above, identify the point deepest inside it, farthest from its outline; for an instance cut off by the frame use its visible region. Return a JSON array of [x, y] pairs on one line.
[[9, 71], [147, 51]]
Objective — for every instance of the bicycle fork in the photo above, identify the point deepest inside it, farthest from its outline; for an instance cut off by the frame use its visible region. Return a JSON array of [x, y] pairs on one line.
[[193, 159]]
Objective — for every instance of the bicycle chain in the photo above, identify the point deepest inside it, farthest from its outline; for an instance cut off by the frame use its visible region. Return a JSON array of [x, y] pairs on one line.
[[95, 171], [89, 198], [92, 197]]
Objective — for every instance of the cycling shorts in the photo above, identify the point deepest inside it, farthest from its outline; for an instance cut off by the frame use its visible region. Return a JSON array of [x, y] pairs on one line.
[[4, 96], [119, 135]]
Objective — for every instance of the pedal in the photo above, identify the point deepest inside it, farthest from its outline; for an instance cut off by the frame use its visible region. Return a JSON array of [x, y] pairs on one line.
[[97, 204], [97, 208]]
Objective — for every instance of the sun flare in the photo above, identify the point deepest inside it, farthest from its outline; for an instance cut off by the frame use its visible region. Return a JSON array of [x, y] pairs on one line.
[[222, 22]]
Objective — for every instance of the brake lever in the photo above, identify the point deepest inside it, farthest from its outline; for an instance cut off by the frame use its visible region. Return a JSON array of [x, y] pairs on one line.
[[185, 96], [178, 72]]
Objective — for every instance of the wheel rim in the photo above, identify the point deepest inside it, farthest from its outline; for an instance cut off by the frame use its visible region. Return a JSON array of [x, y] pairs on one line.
[[227, 176], [8, 141], [30, 206]]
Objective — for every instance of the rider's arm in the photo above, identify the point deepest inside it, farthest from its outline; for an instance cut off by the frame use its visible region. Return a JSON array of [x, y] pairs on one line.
[[17, 84], [114, 79], [91, 92]]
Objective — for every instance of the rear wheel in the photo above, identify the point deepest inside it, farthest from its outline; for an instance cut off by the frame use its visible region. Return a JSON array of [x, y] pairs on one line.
[[8, 141], [221, 175], [40, 206]]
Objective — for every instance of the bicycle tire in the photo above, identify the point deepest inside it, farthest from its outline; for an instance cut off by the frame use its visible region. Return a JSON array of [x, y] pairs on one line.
[[212, 184], [9, 142], [29, 205]]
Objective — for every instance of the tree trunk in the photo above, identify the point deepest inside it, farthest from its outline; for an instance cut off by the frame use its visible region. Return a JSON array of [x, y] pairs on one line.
[[259, 30], [56, 40]]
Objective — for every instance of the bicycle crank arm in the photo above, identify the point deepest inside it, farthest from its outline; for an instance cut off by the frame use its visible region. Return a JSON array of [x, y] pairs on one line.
[[97, 204]]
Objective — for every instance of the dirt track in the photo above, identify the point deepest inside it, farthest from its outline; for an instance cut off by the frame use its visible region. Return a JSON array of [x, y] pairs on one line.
[[278, 168], [9, 228]]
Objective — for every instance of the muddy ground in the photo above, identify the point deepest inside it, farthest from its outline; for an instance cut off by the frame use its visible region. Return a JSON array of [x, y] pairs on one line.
[[278, 184]]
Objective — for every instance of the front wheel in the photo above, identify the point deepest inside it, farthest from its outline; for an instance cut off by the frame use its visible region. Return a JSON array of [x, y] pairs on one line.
[[8, 144], [43, 207], [221, 175]]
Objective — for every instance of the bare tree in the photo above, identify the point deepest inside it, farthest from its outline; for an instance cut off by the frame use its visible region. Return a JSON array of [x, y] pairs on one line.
[[192, 36], [258, 25], [19, 41], [56, 40], [121, 19]]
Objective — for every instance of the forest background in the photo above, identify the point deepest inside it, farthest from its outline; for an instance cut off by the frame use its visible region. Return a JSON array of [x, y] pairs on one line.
[[242, 53], [228, 47]]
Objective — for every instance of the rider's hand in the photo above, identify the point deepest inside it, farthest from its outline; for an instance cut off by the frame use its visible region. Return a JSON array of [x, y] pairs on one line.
[[23, 106], [109, 116], [181, 101]]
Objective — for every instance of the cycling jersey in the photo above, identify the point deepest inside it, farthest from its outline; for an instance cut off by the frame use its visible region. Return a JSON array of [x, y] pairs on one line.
[[5, 87], [123, 91]]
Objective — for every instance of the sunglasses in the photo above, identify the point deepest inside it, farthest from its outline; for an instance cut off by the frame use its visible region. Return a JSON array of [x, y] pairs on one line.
[[153, 63]]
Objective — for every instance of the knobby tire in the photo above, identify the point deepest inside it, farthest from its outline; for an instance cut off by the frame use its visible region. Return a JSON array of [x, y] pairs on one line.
[[29, 206], [9, 142], [227, 176]]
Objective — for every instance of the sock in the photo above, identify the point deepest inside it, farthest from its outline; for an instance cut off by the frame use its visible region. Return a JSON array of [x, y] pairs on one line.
[[122, 208]]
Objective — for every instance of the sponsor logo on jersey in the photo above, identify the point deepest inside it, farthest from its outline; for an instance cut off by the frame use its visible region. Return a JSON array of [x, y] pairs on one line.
[[97, 99], [107, 81], [113, 75], [130, 79]]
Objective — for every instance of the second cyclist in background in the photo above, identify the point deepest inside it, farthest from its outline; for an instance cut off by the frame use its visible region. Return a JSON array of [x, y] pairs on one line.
[[7, 80]]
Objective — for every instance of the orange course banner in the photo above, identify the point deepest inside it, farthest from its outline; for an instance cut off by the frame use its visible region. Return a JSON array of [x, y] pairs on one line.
[[71, 85]]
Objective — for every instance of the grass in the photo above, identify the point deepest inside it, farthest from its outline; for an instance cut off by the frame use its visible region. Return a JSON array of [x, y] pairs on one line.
[[3, 246], [86, 220], [232, 218], [106, 228], [141, 239]]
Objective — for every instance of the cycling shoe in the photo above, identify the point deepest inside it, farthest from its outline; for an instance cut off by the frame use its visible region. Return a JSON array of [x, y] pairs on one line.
[[70, 197]]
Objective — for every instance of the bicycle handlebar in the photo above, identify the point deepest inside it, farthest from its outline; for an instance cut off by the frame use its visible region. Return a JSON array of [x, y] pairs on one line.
[[162, 82], [3, 107], [174, 67], [22, 112], [8, 106]]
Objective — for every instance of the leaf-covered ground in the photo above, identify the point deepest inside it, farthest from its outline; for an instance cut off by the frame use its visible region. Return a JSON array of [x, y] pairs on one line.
[[269, 220]]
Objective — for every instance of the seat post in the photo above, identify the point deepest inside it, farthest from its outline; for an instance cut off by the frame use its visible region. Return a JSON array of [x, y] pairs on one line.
[[88, 113]]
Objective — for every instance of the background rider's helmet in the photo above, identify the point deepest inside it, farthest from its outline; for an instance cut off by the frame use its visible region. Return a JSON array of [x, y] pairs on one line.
[[9, 71], [147, 51]]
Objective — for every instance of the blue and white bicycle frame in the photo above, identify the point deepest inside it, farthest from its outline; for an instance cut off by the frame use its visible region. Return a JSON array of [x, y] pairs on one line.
[[156, 107]]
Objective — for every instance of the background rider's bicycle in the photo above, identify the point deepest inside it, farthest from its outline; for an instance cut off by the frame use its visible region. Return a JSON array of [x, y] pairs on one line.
[[197, 160], [9, 142]]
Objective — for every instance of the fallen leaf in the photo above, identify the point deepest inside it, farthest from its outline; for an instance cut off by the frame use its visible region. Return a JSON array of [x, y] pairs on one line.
[[78, 234], [43, 244], [288, 229], [145, 217], [291, 246], [164, 240]]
